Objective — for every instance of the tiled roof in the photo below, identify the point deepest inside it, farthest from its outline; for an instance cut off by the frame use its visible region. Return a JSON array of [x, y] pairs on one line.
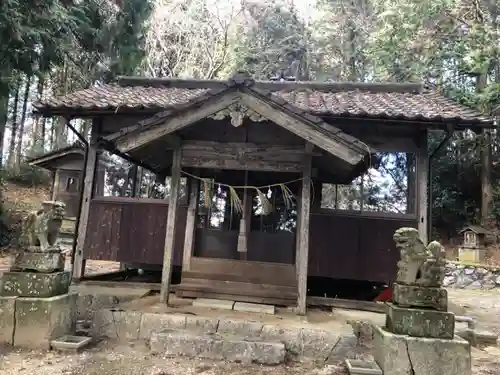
[[405, 102]]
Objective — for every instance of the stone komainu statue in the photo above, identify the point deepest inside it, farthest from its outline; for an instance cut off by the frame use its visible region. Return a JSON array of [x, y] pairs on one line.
[[419, 264], [41, 228]]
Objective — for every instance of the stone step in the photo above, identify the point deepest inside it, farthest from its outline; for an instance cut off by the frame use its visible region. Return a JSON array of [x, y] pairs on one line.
[[216, 346], [299, 342]]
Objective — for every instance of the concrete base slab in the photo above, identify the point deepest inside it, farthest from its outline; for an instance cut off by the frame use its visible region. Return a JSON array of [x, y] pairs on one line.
[[217, 347], [70, 343], [254, 308], [358, 367], [7, 320], [405, 355], [38, 321], [213, 303]]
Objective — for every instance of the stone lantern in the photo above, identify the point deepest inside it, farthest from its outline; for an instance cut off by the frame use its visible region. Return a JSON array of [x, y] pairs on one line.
[[473, 248]]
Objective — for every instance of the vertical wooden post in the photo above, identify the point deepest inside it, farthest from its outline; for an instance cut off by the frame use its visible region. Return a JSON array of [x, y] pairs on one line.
[[246, 216], [297, 233], [175, 182], [55, 184], [305, 211], [88, 193], [422, 186], [192, 215]]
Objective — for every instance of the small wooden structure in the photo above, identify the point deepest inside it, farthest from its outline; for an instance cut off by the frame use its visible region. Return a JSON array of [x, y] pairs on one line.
[[232, 137], [473, 248], [66, 165]]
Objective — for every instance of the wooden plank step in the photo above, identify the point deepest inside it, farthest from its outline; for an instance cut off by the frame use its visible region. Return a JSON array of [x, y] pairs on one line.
[[237, 291], [235, 297], [235, 278], [242, 286]]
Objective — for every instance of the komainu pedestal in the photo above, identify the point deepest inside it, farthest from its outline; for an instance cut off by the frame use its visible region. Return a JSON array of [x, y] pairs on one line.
[[418, 337], [35, 306]]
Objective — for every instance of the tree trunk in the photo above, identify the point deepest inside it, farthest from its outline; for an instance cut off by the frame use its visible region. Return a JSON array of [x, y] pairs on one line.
[[38, 122], [486, 163], [11, 159], [21, 124]]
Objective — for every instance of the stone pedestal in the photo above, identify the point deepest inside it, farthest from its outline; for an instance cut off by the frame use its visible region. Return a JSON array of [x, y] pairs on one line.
[[35, 284], [406, 355], [471, 255], [420, 322], [38, 262], [40, 320], [418, 296], [7, 319]]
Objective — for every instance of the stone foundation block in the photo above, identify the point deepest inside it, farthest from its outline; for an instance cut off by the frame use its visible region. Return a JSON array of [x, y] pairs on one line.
[[7, 320], [201, 324], [152, 322], [420, 322], [290, 337], [217, 347], [317, 343], [417, 296], [239, 327], [33, 284], [117, 324], [41, 320], [406, 355], [213, 304], [254, 308], [46, 262]]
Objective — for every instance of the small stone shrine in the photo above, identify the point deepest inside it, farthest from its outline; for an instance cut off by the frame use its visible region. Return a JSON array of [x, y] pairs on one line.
[[473, 248], [35, 306], [418, 337]]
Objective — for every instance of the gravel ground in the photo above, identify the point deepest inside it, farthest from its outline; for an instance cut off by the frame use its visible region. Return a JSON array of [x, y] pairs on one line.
[[115, 359]]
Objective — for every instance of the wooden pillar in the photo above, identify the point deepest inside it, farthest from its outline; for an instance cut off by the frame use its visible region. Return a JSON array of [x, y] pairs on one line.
[[172, 218], [192, 215], [303, 250], [88, 193], [55, 184], [422, 186], [297, 234], [246, 217]]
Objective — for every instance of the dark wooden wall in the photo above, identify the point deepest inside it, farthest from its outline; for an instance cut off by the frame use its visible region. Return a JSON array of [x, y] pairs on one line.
[[131, 230], [262, 247], [341, 246]]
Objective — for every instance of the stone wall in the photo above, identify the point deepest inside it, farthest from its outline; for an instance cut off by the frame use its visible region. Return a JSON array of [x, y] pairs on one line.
[[471, 277]]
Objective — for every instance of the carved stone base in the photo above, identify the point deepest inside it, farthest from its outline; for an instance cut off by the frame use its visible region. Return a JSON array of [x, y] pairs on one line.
[[405, 355], [34, 284], [420, 322], [7, 319], [41, 320], [417, 296], [38, 262]]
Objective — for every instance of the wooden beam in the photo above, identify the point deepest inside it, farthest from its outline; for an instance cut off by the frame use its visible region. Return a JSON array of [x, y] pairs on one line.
[[422, 186], [327, 140], [172, 218], [88, 193], [178, 121], [192, 215], [220, 162], [303, 253]]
